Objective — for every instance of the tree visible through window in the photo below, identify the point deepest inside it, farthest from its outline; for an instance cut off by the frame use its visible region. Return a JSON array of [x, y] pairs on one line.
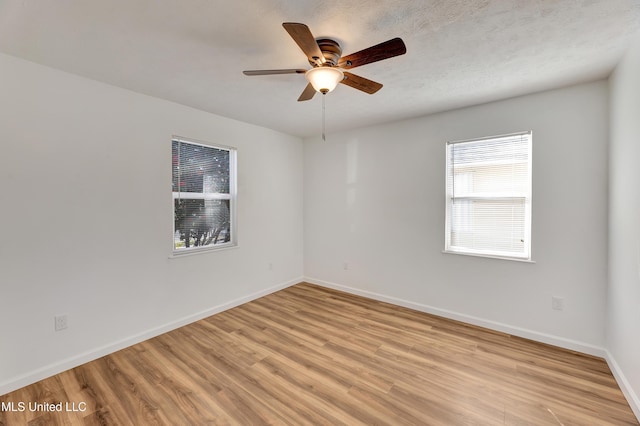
[[203, 188], [489, 196]]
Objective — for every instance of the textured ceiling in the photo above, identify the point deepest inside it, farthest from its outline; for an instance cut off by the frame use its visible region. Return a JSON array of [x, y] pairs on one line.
[[459, 52]]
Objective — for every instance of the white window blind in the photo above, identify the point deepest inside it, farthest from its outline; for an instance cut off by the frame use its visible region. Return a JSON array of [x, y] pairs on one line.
[[203, 190], [489, 196]]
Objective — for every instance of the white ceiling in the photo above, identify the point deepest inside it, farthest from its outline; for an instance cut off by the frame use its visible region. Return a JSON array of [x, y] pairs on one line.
[[459, 52]]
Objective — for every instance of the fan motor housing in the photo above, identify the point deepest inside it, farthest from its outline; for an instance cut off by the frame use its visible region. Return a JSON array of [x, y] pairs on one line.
[[331, 51]]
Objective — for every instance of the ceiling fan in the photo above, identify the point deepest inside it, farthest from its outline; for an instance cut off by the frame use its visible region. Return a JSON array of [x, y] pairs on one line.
[[329, 67]]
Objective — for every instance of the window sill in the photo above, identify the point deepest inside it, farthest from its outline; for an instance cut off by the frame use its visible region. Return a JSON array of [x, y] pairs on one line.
[[488, 256], [190, 253]]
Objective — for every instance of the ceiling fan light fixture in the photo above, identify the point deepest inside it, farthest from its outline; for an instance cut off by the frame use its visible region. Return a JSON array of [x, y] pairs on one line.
[[324, 79]]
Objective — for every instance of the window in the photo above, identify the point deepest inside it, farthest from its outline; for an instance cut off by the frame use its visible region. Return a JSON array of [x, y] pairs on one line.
[[204, 196], [489, 196]]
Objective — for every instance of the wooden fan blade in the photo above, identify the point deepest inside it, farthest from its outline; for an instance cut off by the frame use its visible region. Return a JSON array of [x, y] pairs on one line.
[[361, 83], [301, 34], [385, 50], [307, 93], [272, 72]]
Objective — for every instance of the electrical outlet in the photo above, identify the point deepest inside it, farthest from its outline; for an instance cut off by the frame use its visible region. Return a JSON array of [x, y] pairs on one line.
[[345, 266], [60, 322], [557, 303], [270, 266], [638, 259]]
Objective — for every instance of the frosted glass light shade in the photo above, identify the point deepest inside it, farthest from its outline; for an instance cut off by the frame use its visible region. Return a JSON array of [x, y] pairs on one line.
[[324, 79]]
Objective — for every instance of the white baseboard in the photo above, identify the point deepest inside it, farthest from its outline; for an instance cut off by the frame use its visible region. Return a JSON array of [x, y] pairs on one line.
[[623, 383], [627, 390], [58, 367], [493, 325]]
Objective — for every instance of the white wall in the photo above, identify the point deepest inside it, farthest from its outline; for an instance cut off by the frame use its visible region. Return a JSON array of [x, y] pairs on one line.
[[374, 198], [623, 315], [86, 219]]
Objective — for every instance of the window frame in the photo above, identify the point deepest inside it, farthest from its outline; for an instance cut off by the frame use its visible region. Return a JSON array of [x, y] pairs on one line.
[[231, 196], [449, 248]]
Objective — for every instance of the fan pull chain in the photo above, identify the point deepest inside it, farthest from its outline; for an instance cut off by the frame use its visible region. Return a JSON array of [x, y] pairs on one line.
[[323, 118]]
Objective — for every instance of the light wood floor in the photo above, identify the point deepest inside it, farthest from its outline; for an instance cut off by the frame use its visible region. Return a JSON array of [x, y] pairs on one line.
[[309, 355]]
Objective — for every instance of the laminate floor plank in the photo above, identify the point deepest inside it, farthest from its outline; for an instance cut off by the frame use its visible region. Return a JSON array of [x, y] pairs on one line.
[[309, 355]]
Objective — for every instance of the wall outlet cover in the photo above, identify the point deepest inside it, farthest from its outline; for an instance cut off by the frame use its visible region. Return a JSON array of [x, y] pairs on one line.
[[60, 322], [557, 303]]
